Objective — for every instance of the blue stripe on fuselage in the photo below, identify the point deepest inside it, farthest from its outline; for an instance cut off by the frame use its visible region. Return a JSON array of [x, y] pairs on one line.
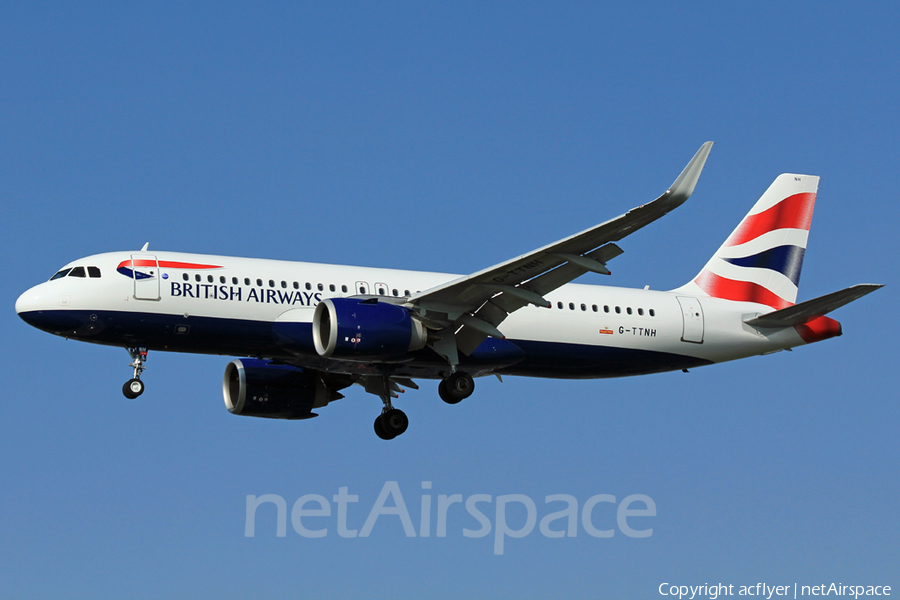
[[238, 337]]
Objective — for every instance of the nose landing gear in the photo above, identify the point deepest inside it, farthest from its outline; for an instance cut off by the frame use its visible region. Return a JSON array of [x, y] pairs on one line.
[[134, 387]]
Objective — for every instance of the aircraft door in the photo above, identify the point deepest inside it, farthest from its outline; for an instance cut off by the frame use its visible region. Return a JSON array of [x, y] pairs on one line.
[[145, 270], [362, 288], [692, 313]]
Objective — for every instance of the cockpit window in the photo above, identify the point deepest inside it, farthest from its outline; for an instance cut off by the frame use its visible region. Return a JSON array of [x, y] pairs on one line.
[[93, 272], [77, 272], [60, 274]]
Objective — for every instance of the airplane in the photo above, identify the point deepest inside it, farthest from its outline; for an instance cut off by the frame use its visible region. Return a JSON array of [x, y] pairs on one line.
[[306, 331]]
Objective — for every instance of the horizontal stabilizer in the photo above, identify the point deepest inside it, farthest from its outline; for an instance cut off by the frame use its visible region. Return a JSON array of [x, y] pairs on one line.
[[812, 309]]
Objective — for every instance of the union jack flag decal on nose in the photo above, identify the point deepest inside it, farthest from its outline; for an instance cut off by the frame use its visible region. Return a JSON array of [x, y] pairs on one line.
[[761, 260]]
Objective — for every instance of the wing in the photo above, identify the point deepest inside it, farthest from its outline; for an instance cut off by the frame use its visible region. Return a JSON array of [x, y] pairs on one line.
[[467, 310]]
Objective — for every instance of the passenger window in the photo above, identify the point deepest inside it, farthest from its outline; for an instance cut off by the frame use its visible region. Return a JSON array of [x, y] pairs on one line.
[[320, 287], [185, 276], [271, 283], [594, 307], [396, 293], [344, 288], [628, 310], [246, 281], [583, 307], [221, 279], [606, 308], [641, 312], [652, 313], [284, 285], [308, 285], [209, 278], [559, 305], [259, 282], [197, 277], [234, 281], [571, 306], [93, 272], [77, 272], [296, 286], [618, 311], [406, 292], [331, 287]]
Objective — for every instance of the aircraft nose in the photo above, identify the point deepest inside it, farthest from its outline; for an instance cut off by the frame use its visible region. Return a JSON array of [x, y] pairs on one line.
[[26, 303], [34, 307], [49, 310]]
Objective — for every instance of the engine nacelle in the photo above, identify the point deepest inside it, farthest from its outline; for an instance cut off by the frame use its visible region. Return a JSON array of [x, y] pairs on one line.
[[354, 329], [258, 388]]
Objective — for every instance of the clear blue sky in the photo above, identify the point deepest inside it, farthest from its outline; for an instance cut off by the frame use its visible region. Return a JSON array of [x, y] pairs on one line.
[[448, 137]]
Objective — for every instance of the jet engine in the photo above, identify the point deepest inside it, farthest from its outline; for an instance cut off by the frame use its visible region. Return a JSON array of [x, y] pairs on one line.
[[259, 388], [353, 329]]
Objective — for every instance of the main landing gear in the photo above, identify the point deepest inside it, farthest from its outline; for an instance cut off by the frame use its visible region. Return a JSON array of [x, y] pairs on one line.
[[134, 387], [392, 421], [457, 387]]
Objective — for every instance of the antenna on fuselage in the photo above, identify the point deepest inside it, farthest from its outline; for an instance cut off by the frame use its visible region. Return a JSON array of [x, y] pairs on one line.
[[146, 245]]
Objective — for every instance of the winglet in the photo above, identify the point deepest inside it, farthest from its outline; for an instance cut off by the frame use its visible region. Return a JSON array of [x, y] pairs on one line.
[[684, 186]]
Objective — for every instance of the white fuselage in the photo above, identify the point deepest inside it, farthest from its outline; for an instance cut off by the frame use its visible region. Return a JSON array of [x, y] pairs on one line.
[[213, 304]]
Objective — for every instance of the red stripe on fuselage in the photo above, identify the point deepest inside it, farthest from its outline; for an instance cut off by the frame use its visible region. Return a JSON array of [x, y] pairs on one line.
[[741, 291], [165, 264], [794, 212]]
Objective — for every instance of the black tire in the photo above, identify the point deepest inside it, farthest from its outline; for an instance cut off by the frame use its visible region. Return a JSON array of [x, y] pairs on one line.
[[133, 388], [444, 393], [456, 388], [379, 429], [394, 422]]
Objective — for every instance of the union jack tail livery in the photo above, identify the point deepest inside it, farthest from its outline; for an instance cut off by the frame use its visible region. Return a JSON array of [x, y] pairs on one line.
[[761, 260]]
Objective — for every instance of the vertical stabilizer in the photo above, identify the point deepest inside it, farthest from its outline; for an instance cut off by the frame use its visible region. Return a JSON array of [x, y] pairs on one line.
[[761, 260]]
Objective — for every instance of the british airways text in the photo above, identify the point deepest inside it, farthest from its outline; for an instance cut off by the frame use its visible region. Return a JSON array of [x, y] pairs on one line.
[[232, 293]]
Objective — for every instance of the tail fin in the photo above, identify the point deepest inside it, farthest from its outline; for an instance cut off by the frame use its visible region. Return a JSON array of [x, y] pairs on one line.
[[761, 260]]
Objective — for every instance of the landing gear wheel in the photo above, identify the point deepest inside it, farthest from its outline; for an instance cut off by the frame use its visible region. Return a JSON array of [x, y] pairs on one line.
[[133, 388], [390, 424], [445, 394], [379, 429], [457, 387], [395, 421]]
